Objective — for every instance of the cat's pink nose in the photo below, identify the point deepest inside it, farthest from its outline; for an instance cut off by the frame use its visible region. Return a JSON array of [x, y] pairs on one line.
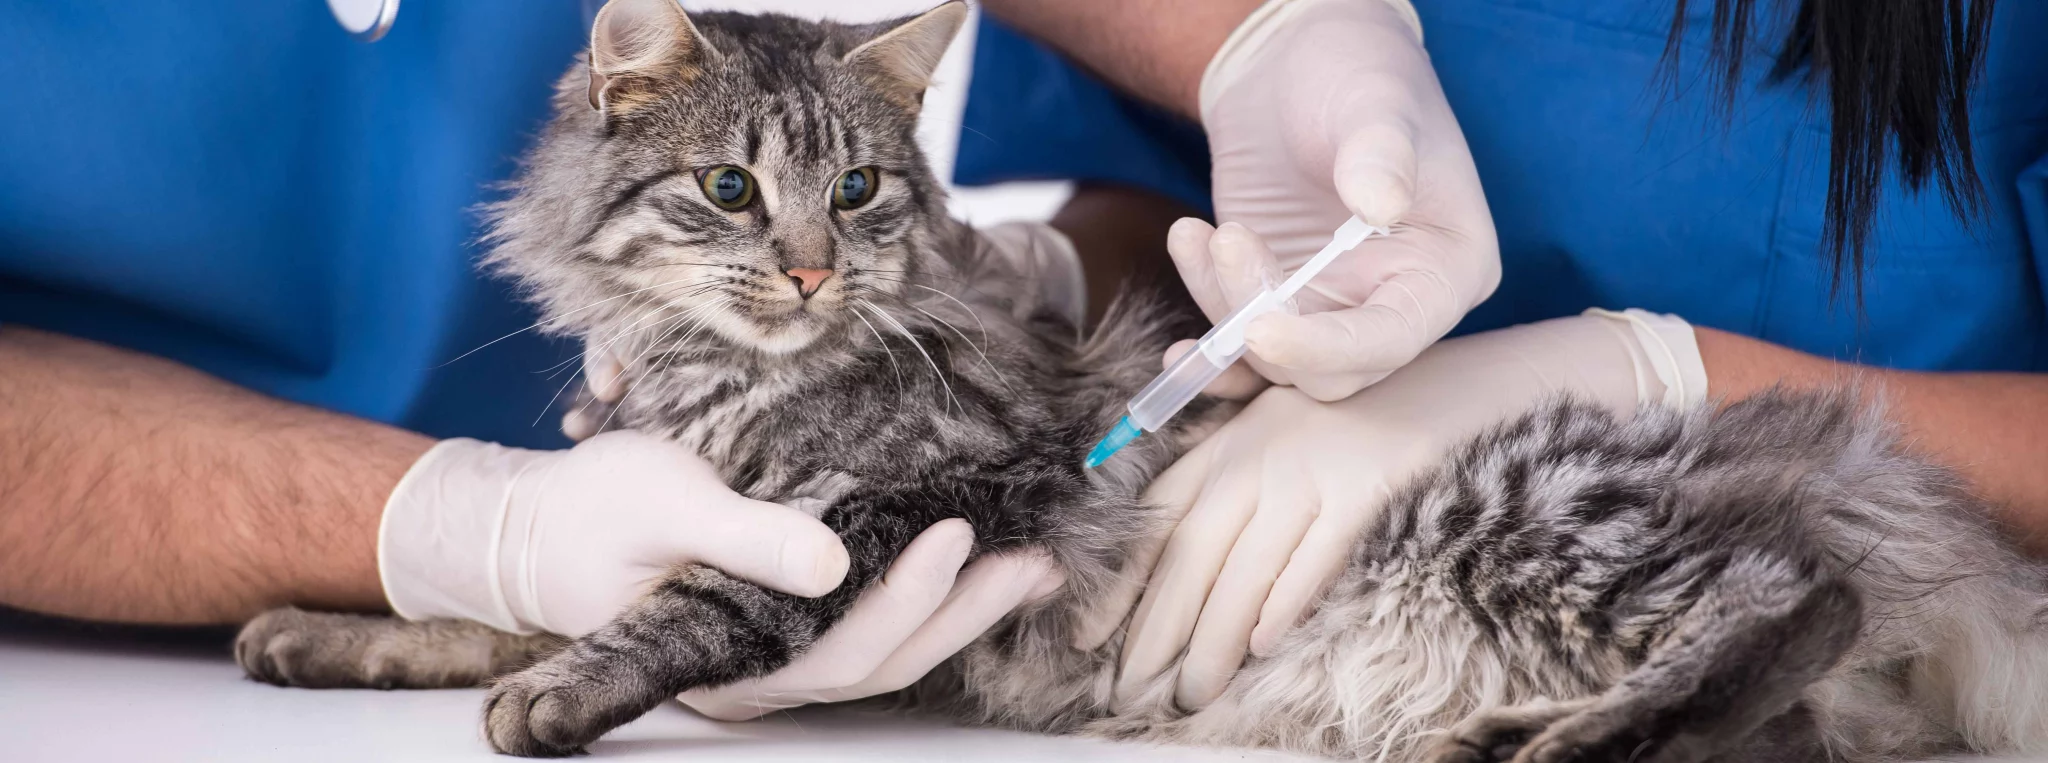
[[808, 279]]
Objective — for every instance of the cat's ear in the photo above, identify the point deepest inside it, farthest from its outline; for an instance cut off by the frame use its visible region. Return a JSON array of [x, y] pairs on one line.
[[639, 47], [901, 59]]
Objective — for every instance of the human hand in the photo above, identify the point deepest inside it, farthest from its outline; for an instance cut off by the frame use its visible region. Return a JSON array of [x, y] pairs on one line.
[[925, 608], [919, 614], [560, 541], [604, 384], [1273, 502], [1318, 110]]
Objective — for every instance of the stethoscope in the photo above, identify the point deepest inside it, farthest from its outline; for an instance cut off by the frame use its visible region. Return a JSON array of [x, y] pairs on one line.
[[365, 20], [368, 20]]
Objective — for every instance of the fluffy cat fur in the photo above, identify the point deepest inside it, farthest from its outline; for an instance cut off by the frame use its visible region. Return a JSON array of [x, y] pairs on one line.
[[1775, 580]]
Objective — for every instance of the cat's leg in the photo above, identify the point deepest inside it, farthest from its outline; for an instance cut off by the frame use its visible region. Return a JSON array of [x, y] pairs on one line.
[[697, 628], [1739, 657], [320, 650], [1790, 737]]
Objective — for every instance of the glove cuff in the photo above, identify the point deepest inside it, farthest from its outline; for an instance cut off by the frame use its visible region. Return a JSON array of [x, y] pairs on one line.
[[1048, 261], [1255, 31], [439, 542], [1666, 344]]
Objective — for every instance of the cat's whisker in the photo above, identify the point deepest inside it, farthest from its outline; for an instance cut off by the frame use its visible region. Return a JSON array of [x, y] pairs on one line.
[[963, 306], [557, 396], [909, 277], [576, 361], [556, 369], [636, 325], [915, 273], [913, 276], [900, 386], [605, 346], [695, 315], [900, 329], [557, 319], [1005, 380], [695, 325]]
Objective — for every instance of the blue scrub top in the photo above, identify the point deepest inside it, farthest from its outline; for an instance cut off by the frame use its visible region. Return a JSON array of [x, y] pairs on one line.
[[1606, 193], [240, 186]]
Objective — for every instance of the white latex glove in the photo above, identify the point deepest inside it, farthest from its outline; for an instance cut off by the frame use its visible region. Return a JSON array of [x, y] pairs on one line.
[[1273, 502], [561, 541], [900, 629], [1317, 110]]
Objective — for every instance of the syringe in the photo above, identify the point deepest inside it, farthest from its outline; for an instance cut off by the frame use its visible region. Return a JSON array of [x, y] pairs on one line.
[[1222, 346]]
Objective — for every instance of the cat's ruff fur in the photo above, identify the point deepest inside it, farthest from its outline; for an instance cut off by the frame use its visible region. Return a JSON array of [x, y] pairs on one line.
[[1773, 581]]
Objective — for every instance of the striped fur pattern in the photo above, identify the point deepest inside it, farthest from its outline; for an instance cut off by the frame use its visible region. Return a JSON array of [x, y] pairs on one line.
[[1773, 581]]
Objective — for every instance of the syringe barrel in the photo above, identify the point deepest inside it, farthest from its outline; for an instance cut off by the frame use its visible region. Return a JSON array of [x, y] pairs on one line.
[[1224, 344], [1172, 389]]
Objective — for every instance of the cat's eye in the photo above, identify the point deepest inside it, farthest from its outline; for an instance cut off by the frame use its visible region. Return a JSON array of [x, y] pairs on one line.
[[853, 188], [729, 187]]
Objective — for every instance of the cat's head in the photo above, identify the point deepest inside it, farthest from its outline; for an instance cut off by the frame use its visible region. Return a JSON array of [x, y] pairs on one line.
[[751, 176]]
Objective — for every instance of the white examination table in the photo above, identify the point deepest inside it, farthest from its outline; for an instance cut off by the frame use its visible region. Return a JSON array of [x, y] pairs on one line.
[[70, 695], [76, 695]]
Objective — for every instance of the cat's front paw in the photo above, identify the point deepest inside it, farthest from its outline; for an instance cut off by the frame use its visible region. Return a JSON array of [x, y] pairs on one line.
[[552, 711], [291, 647], [1502, 734]]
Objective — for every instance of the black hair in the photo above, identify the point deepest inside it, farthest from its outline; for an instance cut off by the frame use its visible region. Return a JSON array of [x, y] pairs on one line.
[[1897, 73]]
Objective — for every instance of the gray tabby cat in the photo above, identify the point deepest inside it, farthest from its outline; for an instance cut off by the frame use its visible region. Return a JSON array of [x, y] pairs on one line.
[[737, 203]]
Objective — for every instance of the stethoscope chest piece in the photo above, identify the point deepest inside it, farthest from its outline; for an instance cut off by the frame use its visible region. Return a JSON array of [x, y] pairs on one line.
[[366, 20]]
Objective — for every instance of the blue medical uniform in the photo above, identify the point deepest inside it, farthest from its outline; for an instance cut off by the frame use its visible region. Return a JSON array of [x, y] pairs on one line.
[[239, 186], [1605, 192]]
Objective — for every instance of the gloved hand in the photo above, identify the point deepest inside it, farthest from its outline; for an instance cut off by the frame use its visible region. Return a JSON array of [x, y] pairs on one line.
[[560, 541], [900, 629], [1273, 501], [1321, 109]]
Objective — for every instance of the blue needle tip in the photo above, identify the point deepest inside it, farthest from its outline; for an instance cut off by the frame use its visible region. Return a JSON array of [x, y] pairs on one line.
[[1117, 438]]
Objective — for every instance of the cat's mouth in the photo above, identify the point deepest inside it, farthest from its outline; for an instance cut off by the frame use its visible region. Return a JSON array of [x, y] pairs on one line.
[[782, 325], [775, 316], [797, 308]]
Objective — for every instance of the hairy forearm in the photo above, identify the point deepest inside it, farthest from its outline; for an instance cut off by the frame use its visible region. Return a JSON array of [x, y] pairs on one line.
[[1155, 49], [1992, 427], [135, 489]]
